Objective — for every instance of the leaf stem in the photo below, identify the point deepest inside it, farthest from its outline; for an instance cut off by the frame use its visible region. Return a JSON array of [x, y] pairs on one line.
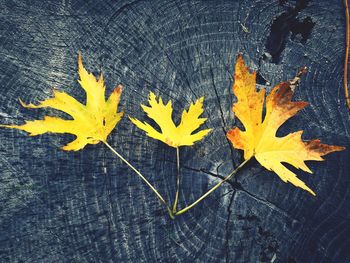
[[212, 189], [178, 180], [161, 199]]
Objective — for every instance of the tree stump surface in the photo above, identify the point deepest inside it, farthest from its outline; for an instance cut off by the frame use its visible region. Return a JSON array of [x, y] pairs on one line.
[[87, 206]]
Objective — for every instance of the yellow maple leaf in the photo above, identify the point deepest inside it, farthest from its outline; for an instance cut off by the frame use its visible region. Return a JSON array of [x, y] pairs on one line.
[[90, 123], [259, 137], [171, 134]]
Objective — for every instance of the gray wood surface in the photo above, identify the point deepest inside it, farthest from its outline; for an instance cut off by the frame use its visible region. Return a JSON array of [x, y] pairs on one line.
[[87, 206]]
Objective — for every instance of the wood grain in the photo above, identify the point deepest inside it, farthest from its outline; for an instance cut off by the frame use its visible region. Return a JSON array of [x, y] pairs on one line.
[[87, 206]]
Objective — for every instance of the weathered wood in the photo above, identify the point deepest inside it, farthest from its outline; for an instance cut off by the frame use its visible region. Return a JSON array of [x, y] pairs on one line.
[[87, 206]]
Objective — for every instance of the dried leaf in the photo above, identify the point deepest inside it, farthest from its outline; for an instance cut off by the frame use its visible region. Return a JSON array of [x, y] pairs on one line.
[[259, 138], [171, 134], [91, 123]]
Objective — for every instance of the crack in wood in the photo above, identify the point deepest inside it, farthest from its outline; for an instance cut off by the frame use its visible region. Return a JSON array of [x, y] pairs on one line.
[[222, 117], [236, 186], [227, 228]]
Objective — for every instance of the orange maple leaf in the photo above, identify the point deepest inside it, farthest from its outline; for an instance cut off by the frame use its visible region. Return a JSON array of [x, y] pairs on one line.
[[259, 138]]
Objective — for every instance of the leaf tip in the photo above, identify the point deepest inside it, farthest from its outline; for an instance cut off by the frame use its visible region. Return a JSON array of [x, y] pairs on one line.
[[23, 104], [80, 63], [209, 130], [239, 57], [118, 89], [133, 120], [306, 188], [80, 59], [151, 94]]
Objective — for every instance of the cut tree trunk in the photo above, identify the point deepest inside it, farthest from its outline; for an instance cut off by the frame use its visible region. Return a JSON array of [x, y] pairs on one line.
[[88, 206]]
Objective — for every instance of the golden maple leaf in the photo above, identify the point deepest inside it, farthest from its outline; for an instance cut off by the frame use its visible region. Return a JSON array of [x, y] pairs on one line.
[[259, 138], [171, 134], [90, 123]]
